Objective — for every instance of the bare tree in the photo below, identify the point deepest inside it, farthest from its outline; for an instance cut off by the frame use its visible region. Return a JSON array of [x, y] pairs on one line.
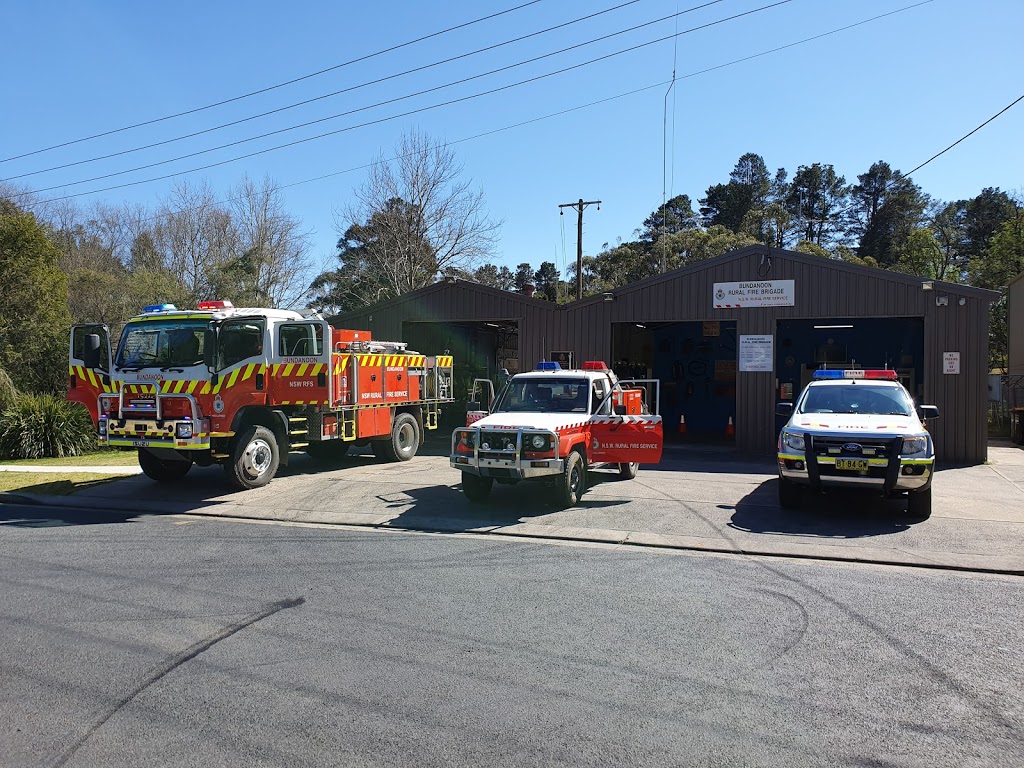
[[271, 265], [197, 238], [414, 218]]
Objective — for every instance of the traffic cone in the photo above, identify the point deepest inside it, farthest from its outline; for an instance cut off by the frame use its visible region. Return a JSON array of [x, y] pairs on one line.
[[730, 430], [682, 424]]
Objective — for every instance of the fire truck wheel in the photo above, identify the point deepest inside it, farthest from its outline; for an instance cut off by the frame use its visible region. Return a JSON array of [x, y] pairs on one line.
[[254, 458], [404, 442], [160, 470], [476, 488], [628, 471], [570, 486]]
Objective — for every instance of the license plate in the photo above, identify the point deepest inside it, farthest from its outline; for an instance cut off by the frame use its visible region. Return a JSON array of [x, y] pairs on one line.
[[852, 464], [140, 443]]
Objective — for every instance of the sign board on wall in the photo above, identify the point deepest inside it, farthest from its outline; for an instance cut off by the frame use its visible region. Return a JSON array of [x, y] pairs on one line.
[[565, 359], [951, 362], [757, 293], [757, 353]]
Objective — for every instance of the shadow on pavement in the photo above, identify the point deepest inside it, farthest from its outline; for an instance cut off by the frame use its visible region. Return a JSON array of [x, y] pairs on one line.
[[444, 508], [846, 515], [16, 515]]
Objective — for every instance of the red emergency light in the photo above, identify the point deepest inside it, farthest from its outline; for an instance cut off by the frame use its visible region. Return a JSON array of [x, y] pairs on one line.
[[222, 304], [836, 373], [594, 365]]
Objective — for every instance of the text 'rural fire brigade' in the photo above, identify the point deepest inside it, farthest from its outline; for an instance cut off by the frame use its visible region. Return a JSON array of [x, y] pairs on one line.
[[555, 425], [243, 387]]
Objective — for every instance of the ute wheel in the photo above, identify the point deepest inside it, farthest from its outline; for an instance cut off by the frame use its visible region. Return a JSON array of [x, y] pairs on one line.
[[327, 450], [570, 486], [404, 441], [476, 488], [919, 503], [628, 471], [254, 458], [163, 470], [789, 493]]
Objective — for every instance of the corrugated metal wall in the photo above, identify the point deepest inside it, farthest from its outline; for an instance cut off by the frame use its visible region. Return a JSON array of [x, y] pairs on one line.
[[823, 289], [1015, 326]]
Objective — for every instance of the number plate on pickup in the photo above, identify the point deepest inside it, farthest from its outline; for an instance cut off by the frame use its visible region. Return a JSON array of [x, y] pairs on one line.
[[857, 465]]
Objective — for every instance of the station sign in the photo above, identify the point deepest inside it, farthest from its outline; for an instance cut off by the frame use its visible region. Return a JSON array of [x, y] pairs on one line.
[[754, 293], [757, 352]]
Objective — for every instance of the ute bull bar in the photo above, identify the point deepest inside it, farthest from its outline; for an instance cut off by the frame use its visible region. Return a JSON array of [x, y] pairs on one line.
[[505, 463]]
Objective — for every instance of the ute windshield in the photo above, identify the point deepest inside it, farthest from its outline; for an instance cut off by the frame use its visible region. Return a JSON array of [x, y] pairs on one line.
[[544, 395], [164, 344], [857, 398]]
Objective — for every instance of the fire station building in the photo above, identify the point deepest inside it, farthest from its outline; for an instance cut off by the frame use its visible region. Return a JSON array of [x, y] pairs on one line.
[[727, 338]]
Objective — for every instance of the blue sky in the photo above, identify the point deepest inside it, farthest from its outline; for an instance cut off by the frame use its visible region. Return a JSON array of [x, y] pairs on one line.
[[898, 89]]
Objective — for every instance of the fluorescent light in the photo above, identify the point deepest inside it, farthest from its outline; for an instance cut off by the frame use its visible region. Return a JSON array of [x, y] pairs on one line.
[[821, 327], [639, 325], [493, 325]]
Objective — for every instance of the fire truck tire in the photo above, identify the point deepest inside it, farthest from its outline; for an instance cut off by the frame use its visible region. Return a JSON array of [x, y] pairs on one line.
[[404, 441], [476, 488], [160, 470], [254, 458], [570, 486], [628, 471]]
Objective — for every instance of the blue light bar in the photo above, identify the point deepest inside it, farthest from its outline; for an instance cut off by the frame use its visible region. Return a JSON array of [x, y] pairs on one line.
[[160, 308], [548, 365], [888, 375]]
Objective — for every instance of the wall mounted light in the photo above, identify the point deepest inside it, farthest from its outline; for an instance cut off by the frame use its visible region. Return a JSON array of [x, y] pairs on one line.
[[941, 300], [820, 327], [927, 285], [962, 301], [609, 297]]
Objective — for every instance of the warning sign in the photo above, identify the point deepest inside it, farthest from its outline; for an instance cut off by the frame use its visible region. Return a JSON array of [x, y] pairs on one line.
[[951, 362]]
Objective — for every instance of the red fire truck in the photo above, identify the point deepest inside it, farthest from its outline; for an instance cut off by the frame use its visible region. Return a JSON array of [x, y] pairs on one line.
[[244, 387], [556, 425]]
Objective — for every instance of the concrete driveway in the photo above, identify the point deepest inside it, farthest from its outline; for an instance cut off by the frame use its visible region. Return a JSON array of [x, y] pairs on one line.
[[697, 498]]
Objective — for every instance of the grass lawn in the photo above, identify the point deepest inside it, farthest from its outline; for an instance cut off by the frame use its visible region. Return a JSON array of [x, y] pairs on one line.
[[51, 484], [109, 458]]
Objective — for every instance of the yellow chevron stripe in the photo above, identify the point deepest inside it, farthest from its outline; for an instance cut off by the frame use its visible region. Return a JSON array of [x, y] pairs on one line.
[[233, 378], [288, 369], [301, 370]]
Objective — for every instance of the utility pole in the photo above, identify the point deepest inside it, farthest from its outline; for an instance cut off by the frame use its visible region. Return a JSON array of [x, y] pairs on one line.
[[579, 206]]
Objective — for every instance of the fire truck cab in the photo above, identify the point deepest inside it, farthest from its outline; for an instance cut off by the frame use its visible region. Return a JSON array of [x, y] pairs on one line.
[[556, 425], [244, 387]]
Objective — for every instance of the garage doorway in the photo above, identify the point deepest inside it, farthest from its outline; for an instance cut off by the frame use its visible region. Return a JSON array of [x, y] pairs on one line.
[[696, 364], [803, 346], [481, 348]]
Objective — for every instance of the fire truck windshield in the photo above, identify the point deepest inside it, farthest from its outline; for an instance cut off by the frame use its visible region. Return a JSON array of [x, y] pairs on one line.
[[545, 395], [161, 344]]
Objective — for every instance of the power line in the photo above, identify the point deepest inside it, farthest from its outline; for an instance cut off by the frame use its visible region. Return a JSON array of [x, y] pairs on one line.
[[967, 135], [380, 120], [395, 100], [275, 87], [349, 89]]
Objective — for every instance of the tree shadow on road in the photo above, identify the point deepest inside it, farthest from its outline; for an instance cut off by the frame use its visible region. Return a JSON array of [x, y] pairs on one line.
[[845, 515]]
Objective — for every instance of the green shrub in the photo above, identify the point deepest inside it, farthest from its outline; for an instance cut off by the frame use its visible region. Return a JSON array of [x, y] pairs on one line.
[[38, 426], [8, 392]]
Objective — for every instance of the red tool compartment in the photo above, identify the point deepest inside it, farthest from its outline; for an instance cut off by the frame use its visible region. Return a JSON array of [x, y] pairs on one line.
[[632, 399], [344, 337], [396, 377], [370, 375], [374, 422]]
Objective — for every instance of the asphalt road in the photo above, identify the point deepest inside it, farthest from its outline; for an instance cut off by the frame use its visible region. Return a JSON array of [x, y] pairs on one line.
[[198, 642]]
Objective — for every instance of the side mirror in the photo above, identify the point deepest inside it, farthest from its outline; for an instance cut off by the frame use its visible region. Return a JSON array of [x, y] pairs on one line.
[[620, 410], [928, 412], [91, 354], [473, 405], [210, 348], [784, 409]]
